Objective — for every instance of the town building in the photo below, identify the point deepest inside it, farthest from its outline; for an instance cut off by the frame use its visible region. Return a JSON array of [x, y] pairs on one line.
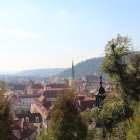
[[24, 101], [33, 118], [23, 130], [85, 102], [43, 106], [34, 88], [52, 94], [57, 87]]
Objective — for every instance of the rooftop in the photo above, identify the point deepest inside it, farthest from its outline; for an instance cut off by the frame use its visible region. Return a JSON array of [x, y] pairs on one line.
[[37, 86], [22, 130], [31, 116], [57, 85], [51, 93], [29, 96]]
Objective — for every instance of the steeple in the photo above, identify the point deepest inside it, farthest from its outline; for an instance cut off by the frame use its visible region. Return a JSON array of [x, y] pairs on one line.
[[100, 94], [73, 74], [101, 89], [100, 80]]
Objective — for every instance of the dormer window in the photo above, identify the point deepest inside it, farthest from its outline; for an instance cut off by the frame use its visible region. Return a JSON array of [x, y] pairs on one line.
[[37, 119], [27, 119]]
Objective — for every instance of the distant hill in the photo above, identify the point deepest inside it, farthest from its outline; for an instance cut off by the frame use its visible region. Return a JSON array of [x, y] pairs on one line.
[[87, 67], [41, 72]]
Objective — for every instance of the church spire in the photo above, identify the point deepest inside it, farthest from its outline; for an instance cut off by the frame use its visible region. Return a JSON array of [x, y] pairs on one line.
[[73, 74], [101, 89], [100, 80]]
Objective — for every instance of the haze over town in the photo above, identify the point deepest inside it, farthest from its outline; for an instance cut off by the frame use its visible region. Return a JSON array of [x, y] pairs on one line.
[[49, 34]]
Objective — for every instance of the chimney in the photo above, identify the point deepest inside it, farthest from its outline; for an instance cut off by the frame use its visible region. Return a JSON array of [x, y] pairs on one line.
[[22, 121]]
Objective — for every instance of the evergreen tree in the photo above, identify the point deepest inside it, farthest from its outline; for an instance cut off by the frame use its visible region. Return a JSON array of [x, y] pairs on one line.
[[5, 115], [66, 121]]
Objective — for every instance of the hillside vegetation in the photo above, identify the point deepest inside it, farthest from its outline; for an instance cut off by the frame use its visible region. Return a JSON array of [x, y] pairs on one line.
[[87, 67]]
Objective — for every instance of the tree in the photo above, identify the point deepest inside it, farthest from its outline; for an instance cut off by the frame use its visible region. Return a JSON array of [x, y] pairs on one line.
[[43, 136], [121, 65], [134, 127], [117, 55], [66, 121], [114, 117], [5, 115], [133, 71], [108, 122]]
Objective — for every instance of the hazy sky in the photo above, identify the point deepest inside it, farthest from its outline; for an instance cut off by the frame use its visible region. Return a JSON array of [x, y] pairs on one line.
[[49, 33]]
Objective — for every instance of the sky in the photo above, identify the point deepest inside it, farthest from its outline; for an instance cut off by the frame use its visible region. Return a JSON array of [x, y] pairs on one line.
[[50, 33]]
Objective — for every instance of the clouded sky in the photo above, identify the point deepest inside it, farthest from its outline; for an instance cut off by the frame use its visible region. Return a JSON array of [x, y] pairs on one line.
[[50, 33]]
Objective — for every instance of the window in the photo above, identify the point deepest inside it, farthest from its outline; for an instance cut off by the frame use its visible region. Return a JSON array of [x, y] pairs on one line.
[[27, 119], [37, 119]]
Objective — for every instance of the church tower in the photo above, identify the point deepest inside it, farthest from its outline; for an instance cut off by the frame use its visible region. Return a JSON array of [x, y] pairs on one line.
[[101, 89], [72, 78], [100, 94], [73, 73]]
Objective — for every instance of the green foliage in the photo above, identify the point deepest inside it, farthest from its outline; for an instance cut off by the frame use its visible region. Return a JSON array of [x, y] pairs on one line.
[[121, 65], [111, 112], [134, 77], [134, 127], [87, 115], [116, 61], [43, 136], [112, 120], [108, 120], [5, 115], [66, 121]]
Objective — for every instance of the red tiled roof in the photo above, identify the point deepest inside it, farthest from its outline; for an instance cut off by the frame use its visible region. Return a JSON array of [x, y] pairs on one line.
[[89, 99], [80, 96], [24, 132], [29, 96], [41, 99], [45, 112], [94, 91], [19, 87], [14, 96], [81, 93], [31, 116], [85, 101], [37, 86], [51, 93], [46, 103], [58, 85], [84, 104]]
